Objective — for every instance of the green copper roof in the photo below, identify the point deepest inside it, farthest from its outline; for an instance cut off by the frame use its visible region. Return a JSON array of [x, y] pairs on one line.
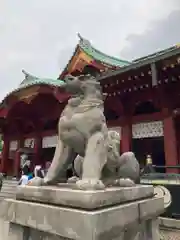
[[99, 56], [31, 80], [156, 54], [138, 63]]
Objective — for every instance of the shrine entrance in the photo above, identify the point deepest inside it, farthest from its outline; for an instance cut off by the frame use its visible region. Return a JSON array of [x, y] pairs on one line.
[[48, 148], [153, 146], [47, 155], [148, 139]]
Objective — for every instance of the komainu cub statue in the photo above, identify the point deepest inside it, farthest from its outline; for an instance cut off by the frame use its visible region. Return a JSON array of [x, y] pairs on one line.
[[83, 138]]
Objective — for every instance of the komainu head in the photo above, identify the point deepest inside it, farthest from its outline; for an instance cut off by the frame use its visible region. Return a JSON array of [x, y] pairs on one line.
[[81, 85]]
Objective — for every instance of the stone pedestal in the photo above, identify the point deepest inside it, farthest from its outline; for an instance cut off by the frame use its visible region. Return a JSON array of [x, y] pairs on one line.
[[62, 213]]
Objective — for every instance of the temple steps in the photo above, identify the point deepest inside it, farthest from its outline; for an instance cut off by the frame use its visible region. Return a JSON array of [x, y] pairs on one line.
[[8, 189]]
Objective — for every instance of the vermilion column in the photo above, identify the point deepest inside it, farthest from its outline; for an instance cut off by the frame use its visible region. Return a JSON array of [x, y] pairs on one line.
[[5, 155], [37, 150], [170, 144], [126, 138], [17, 158]]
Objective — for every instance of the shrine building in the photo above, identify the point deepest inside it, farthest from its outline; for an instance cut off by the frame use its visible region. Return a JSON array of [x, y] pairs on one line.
[[142, 105]]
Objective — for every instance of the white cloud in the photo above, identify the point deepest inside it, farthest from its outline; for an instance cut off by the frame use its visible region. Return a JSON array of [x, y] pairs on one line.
[[40, 35], [160, 35]]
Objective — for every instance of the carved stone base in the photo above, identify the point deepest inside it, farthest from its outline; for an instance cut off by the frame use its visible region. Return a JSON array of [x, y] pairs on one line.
[[62, 213]]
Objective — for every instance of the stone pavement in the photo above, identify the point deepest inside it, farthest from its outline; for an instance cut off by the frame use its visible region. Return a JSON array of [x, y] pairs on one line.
[[170, 229], [4, 227], [170, 234]]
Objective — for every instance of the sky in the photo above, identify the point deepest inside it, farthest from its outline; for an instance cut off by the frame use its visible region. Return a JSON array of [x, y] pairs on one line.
[[40, 35]]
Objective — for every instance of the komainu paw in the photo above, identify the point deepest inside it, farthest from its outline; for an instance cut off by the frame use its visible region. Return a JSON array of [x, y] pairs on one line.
[[73, 179], [36, 181], [90, 184], [124, 182]]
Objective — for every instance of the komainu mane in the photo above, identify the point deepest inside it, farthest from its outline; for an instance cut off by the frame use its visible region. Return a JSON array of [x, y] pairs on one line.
[[83, 137]]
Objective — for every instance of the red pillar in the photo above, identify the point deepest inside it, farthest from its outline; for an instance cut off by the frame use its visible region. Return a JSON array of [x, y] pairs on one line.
[[170, 144], [37, 150], [126, 137], [5, 155], [17, 158]]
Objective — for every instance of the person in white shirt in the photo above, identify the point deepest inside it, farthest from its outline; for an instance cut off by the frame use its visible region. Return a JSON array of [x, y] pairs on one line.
[[24, 180]]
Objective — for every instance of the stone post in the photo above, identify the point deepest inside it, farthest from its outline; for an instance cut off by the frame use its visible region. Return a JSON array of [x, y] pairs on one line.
[[61, 213]]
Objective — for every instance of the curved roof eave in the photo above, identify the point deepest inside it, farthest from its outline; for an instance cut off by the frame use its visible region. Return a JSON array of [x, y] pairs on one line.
[[100, 56], [97, 55], [35, 82]]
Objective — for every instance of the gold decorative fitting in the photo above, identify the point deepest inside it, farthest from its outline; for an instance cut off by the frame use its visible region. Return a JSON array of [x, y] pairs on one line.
[[172, 65], [148, 160]]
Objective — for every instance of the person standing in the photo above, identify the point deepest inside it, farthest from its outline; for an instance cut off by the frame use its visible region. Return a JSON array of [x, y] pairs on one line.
[[25, 170], [47, 166], [38, 171], [26, 167]]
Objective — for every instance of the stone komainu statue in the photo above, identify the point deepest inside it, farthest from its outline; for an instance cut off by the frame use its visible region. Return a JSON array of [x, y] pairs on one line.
[[83, 137]]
